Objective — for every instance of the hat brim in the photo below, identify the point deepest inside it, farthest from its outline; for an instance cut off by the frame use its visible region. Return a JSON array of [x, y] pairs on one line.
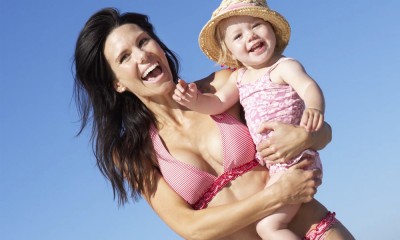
[[211, 48]]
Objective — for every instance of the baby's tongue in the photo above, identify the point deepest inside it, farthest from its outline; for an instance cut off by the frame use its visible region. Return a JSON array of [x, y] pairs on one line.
[[153, 74]]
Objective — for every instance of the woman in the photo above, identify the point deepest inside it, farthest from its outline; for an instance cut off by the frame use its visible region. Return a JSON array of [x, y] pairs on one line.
[[178, 160]]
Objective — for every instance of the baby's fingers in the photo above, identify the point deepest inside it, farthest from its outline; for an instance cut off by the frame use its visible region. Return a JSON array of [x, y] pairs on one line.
[[181, 86], [192, 87], [305, 121], [320, 122], [177, 96]]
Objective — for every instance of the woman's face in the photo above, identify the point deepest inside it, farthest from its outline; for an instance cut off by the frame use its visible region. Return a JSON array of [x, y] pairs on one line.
[[138, 62]]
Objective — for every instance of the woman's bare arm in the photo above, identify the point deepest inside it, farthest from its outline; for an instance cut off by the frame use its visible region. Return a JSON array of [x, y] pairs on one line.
[[297, 186]]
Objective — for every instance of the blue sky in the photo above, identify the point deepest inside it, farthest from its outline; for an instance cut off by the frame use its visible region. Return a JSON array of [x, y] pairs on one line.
[[50, 187]]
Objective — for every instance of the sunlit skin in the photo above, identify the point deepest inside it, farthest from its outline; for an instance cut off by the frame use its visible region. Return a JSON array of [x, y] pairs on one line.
[[140, 67]]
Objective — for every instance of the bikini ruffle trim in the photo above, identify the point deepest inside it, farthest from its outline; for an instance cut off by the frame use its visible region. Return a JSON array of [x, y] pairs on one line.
[[220, 182], [322, 227]]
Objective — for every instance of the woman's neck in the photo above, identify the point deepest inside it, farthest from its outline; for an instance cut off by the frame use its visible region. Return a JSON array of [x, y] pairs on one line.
[[167, 111]]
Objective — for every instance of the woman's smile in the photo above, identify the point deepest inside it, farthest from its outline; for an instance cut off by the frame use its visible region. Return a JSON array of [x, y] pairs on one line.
[[153, 73]]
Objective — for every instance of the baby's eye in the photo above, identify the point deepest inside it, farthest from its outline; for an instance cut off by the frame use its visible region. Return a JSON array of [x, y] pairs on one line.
[[256, 25], [237, 36]]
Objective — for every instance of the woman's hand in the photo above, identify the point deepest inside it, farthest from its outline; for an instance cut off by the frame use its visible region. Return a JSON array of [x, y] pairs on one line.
[[297, 185], [287, 141]]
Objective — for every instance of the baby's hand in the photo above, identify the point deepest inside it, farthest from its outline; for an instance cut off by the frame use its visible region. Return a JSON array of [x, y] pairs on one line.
[[312, 119], [185, 94]]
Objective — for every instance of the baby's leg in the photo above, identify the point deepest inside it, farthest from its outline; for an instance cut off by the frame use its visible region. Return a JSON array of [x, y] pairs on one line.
[[275, 226]]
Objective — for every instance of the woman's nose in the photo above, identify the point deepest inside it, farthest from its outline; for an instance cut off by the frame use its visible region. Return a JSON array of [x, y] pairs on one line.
[[140, 56]]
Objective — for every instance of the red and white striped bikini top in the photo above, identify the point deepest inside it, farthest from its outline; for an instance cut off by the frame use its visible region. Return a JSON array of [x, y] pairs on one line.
[[198, 187]]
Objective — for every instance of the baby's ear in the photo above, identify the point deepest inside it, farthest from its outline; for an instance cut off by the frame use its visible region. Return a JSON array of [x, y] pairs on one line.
[[119, 87]]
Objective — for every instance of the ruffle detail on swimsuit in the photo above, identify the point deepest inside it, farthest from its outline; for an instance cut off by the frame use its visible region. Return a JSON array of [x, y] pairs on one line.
[[220, 182], [306, 154], [322, 227]]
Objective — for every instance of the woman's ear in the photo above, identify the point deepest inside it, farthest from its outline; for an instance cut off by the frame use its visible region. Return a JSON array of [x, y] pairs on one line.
[[119, 87]]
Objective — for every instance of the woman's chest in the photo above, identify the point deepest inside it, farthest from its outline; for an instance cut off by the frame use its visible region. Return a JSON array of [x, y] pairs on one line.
[[213, 145], [198, 144], [193, 158]]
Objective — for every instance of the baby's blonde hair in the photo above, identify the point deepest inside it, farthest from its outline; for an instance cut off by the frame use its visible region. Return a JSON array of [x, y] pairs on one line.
[[224, 53]]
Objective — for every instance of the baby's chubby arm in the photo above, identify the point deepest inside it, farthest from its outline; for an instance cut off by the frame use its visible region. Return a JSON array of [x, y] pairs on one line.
[[293, 73], [189, 96]]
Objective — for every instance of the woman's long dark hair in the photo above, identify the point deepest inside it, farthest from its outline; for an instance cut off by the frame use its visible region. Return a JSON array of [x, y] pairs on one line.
[[120, 122]]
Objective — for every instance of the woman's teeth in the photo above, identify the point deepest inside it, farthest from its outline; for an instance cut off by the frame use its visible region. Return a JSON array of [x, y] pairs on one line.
[[151, 68]]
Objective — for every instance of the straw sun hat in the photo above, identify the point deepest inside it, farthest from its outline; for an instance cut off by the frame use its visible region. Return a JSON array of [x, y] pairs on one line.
[[254, 8]]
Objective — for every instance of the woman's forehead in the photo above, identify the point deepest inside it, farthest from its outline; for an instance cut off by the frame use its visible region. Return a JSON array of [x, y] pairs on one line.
[[124, 32], [121, 37]]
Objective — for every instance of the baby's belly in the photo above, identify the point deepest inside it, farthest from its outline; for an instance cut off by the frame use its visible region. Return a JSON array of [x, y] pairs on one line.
[[242, 187]]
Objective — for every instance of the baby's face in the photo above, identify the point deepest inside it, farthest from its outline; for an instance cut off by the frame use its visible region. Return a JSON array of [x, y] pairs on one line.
[[250, 40]]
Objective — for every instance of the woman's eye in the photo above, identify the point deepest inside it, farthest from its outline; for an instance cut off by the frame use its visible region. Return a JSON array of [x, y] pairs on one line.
[[143, 41], [123, 58]]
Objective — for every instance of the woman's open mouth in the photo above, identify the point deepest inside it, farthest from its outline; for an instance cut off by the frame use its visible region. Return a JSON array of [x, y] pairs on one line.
[[152, 72]]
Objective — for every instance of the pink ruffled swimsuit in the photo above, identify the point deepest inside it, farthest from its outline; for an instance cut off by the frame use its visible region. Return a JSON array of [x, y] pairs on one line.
[[264, 101]]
